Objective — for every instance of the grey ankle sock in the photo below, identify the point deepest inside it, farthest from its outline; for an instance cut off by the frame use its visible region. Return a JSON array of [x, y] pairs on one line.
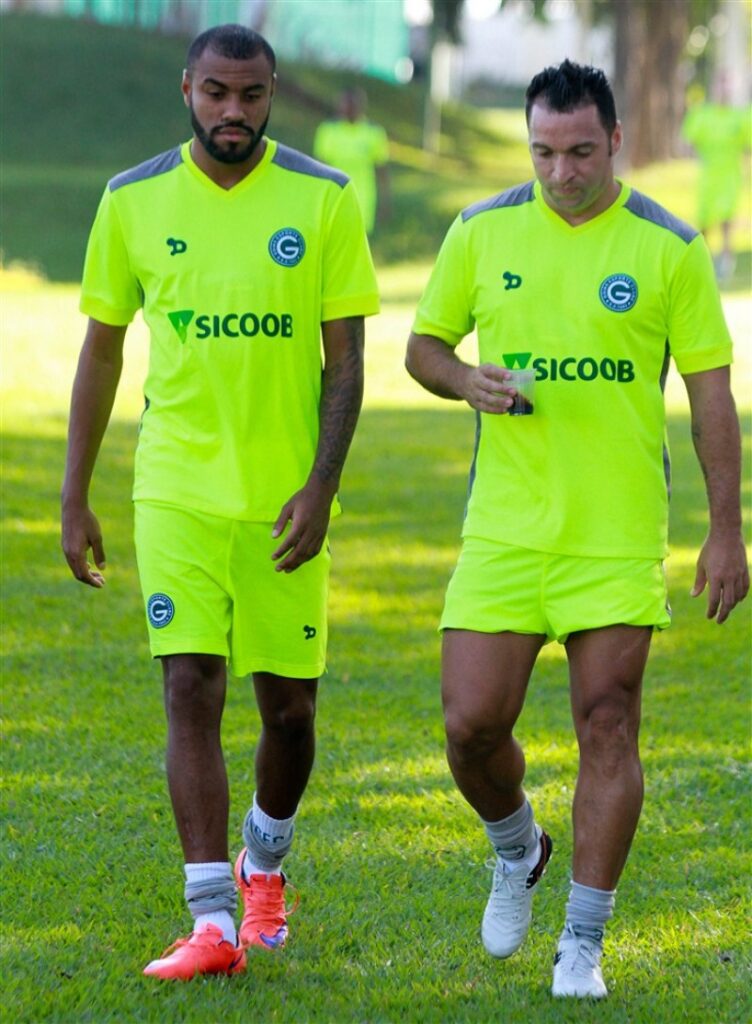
[[588, 910], [514, 838], [267, 839]]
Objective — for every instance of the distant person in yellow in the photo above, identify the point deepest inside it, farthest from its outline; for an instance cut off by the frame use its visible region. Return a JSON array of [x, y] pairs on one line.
[[720, 134], [360, 149]]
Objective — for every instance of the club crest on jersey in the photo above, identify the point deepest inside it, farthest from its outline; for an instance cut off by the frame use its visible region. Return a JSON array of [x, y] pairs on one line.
[[160, 610], [618, 293], [287, 247]]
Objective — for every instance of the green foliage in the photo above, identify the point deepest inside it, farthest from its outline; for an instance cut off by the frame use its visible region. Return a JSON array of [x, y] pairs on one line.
[[98, 99], [389, 860]]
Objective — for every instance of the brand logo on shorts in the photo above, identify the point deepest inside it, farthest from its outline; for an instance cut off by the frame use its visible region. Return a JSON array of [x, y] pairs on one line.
[[310, 632], [618, 293], [160, 610], [287, 247]]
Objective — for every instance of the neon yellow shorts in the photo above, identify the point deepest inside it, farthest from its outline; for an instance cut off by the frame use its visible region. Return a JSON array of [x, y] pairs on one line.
[[210, 587], [497, 588]]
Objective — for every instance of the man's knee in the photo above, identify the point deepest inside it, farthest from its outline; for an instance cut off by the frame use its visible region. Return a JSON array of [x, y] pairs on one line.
[[470, 738], [194, 685], [608, 732], [293, 717]]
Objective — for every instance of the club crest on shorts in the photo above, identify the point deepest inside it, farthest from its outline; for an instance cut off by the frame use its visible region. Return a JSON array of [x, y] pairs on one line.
[[160, 610], [287, 247], [618, 293]]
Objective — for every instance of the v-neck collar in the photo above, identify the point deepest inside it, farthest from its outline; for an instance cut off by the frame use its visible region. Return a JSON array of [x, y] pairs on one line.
[[243, 185]]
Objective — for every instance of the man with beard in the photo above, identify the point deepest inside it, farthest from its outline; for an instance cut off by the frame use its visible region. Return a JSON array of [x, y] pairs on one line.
[[247, 259]]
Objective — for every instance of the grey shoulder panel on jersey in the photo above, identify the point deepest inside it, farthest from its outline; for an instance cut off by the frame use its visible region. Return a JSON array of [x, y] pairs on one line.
[[648, 209], [148, 169], [292, 160], [510, 197]]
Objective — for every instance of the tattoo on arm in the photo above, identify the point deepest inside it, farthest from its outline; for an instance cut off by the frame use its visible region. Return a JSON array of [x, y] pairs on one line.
[[341, 398]]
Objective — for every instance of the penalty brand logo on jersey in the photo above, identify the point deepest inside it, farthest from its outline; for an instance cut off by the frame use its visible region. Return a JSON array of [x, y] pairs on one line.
[[180, 320], [231, 325], [572, 368], [618, 293], [160, 610], [287, 247], [177, 246]]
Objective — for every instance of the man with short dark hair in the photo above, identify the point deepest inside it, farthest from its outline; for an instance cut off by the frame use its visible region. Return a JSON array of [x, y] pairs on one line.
[[591, 286], [247, 258]]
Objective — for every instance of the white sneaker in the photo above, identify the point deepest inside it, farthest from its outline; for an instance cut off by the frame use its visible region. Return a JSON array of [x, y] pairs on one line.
[[577, 967], [506, 920]]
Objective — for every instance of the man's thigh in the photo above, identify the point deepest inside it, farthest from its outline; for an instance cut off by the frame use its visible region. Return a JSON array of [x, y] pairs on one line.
[[484, 676], [606, 667]]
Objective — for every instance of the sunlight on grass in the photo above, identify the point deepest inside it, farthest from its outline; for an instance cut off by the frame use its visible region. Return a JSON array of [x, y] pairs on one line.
[[33, 938]]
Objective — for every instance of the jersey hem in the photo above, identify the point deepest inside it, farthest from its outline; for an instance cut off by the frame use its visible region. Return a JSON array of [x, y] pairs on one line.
[[266, 517], [711, 359], [163, 647], [106, 314], [569, 551], [279, 668], [433, 331], [358, 305]]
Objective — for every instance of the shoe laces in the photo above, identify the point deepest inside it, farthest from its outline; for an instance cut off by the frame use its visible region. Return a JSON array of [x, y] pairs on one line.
[[509, 886], [266, 906], [584, 954], [202, 938]]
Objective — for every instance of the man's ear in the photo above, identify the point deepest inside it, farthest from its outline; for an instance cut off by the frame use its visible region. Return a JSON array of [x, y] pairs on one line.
[[185, 88]]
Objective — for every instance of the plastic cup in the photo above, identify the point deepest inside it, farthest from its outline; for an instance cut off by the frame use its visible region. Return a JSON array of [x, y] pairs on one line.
[[524, 382]]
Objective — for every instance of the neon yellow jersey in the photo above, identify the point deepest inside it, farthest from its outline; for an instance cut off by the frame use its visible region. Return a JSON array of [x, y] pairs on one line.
[[357, 148], [720, 135], [234, 286], [596, 310]]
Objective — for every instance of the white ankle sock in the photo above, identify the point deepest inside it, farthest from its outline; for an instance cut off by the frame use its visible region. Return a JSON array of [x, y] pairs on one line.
[[222, 919], [204, 872]]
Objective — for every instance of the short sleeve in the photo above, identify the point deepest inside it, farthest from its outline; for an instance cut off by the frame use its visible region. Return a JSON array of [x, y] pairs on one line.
[[348, 278], [444, 310], [110, 292], [698, 335]]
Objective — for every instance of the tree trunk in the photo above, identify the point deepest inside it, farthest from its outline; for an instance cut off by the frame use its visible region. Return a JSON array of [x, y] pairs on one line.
[[649, 39]]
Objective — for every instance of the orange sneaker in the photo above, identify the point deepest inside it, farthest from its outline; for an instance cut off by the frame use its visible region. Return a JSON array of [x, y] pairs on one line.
[[264, 911], [204, 952]]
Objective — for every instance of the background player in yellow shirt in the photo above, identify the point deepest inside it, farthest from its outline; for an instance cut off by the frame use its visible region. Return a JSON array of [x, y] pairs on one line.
[[248, 259], [593, 286], [360, 149], [720, 134]]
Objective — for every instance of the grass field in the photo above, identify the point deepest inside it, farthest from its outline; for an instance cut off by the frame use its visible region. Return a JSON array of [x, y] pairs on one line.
[[389, 860]]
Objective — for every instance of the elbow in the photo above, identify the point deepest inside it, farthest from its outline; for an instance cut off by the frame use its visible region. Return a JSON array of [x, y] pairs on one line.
[[411, 360]]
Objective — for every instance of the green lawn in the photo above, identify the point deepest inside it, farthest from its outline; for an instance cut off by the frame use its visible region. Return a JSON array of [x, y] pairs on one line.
[[389, 860]]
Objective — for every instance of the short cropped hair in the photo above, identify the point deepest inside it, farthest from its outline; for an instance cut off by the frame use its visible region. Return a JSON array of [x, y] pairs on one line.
[[569, 86], [234, 41]]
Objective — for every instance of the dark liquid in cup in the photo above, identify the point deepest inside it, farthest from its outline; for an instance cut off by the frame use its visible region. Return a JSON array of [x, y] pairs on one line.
[[522, 406]]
